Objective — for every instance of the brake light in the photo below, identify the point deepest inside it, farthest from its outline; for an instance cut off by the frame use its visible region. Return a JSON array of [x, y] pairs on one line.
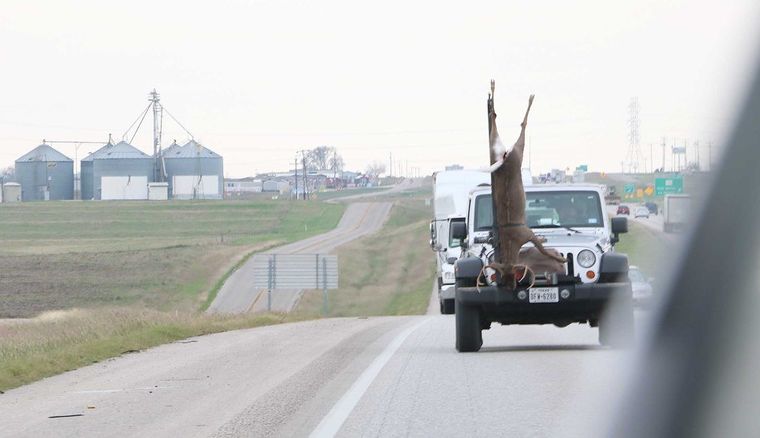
[[590, 275]]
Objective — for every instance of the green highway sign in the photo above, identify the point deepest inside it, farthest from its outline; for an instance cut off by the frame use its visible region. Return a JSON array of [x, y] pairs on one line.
[[629, 188], [664, 186]]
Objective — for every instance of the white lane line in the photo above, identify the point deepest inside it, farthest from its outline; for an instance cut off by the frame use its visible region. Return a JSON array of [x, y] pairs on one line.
[[333, 421]]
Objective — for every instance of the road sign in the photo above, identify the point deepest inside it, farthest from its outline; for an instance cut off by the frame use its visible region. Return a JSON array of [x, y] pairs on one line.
[[629, 188], [649, 190], [295, 271], [664, 186], [639, 193]]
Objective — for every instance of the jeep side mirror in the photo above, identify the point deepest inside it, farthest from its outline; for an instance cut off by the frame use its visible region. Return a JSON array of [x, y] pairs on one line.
[[619, 226], [459, 230]]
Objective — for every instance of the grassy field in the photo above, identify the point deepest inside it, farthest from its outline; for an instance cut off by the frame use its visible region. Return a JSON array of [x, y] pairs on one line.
[[164, 256], [645, 248], [390, 273]]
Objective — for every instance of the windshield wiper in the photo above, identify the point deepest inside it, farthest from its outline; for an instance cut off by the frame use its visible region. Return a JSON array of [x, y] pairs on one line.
[[557, 226]]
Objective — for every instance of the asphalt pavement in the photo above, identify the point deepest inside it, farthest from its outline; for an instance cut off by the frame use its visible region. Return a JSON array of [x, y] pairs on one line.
[[654, 222], [384, 376], [238, 294]]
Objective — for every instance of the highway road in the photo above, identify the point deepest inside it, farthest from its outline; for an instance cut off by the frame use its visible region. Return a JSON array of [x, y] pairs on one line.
[[653, 222], [384, 376], [238, 295], [403, 186]]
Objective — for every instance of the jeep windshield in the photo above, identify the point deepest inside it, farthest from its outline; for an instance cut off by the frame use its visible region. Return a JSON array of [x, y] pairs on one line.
[[549, 210]]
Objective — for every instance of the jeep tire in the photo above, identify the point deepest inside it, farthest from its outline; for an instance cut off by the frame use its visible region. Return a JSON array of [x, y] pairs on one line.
[[616, 330], [447, 306], [469, 335]]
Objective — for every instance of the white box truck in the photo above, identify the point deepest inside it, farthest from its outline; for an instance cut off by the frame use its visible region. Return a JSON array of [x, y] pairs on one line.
[[451, 193], [676, 212]]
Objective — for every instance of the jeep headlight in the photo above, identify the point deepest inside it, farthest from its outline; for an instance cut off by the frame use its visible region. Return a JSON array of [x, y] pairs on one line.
[[586, 258]]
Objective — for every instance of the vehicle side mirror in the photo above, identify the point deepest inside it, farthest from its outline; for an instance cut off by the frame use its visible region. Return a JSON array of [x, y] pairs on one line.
[[619, 226], [432, 242], [459, 230]]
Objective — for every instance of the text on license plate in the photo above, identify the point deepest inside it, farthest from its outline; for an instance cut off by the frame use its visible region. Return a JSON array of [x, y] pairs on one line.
[[543, 295]]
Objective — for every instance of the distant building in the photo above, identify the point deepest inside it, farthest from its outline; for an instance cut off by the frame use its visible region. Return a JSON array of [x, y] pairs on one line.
[[11, 192], [116, 171], [45, 174], [193, 171], [275, 186], [242, 185]]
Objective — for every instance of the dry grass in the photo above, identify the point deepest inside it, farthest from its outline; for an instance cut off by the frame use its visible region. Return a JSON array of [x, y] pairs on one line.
[[389, 273], [60, 341]]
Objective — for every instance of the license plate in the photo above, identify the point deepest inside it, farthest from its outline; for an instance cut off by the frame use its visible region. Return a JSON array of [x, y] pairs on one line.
[[543, 295]]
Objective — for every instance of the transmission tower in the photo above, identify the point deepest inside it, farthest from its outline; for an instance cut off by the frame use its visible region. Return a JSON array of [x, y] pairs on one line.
[[157, 125], [633, 157]]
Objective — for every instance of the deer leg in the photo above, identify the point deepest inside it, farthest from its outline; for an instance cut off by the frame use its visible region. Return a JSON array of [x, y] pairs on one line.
[[540, 247], [520, 143]]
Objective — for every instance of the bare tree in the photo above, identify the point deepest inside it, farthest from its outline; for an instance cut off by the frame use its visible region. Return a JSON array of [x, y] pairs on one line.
[[318, 158], [336, 162], [375, 168], [8, 174]]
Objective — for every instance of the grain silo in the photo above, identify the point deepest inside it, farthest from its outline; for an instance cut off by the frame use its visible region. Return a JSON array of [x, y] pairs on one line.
[[116, 171], [193, 172], [45, 174]]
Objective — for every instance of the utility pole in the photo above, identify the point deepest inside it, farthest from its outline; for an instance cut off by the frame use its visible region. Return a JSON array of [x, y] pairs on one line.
[[651, 158], [295, 173], [305, 186], [76, 174]]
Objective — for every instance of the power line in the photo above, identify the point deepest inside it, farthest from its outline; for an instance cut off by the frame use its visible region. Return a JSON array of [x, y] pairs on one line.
[[145, 113], [72, 141], [140, 117], [177, 122]]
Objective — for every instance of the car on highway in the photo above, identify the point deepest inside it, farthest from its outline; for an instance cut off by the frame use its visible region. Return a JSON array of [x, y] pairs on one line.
[[641, 286], [623, 209], [652, 207], [641, 211]]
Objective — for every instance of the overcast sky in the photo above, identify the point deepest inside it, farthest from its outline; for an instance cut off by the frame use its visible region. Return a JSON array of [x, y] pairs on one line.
[[256, 81]]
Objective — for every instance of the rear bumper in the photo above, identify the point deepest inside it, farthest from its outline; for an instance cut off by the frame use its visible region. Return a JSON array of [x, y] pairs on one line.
[[586, 302]]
